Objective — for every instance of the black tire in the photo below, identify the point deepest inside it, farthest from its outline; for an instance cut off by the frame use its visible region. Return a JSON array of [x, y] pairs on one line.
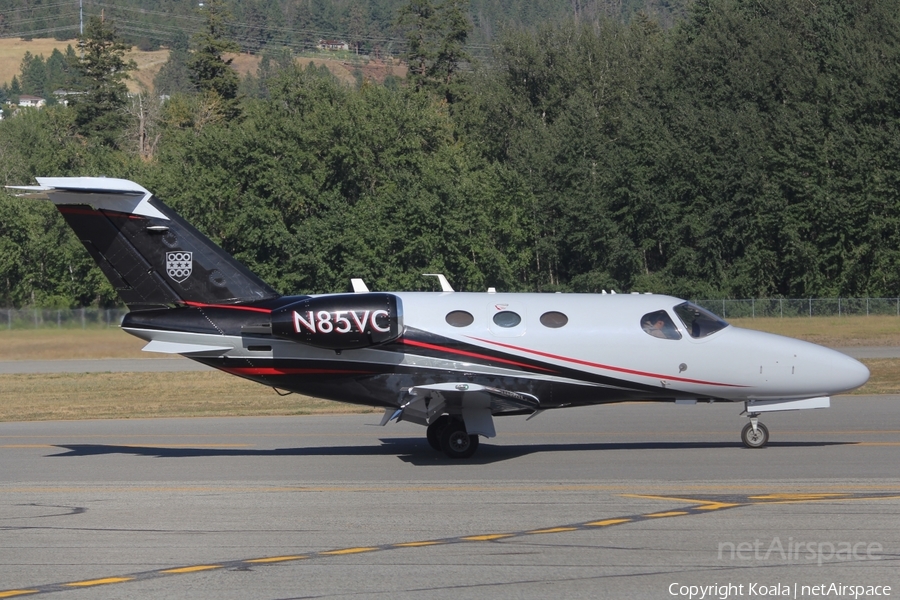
[[755, 440], [434, 431], [457, 443]]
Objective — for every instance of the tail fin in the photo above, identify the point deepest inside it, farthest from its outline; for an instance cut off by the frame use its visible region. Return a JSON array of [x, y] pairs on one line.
[[152, 257]]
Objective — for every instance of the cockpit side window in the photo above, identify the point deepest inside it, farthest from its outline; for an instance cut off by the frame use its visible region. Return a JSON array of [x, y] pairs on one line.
[[659, 324], [699, 322]]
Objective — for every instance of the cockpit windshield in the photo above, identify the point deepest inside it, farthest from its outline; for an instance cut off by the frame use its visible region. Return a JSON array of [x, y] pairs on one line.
[[699, 322]]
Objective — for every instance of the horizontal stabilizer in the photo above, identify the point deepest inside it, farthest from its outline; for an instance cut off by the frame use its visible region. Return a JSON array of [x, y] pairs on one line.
[[107, 193], [182, 348]]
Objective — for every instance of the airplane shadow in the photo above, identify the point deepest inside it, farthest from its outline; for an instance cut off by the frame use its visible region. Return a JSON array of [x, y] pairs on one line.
[[411, 450]]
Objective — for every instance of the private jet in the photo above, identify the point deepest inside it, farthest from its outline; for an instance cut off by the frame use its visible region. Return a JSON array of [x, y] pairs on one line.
[[450, 361]]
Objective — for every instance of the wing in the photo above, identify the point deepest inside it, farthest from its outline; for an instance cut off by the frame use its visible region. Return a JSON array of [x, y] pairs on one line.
[[476, 403]]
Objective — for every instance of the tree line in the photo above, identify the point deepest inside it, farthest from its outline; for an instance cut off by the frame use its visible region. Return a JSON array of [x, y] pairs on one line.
[[368, 26], [749, 150]]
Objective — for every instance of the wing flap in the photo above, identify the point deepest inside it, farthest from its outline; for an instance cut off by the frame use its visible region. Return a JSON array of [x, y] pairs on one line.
[[501, 400]]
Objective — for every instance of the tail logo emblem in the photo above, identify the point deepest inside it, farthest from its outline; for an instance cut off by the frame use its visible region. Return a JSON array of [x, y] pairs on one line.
[[179, 265]]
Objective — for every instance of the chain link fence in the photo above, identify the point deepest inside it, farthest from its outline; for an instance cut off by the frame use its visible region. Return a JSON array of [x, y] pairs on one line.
[[74, 318], [801, 307]]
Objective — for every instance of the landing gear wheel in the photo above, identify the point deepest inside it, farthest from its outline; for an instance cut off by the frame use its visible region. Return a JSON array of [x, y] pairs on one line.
[[456, 441], [755, 439], [434, 431]]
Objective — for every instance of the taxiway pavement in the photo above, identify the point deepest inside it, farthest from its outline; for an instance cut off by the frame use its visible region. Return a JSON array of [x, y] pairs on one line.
[[619, 501]]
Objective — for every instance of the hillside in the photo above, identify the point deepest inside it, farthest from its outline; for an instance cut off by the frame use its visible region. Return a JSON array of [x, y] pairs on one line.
[[12, 51], [149, 63], [369, 24]]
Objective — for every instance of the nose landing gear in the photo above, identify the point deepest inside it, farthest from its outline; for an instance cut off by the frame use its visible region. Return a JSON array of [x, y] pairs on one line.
[[755, 434]]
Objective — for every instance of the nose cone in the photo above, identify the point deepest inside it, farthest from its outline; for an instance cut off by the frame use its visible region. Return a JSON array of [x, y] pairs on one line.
[[837, 371], [788, 368]]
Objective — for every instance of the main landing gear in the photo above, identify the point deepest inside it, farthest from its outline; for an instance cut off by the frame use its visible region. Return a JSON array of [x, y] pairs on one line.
[[449, 435], [755, 434]]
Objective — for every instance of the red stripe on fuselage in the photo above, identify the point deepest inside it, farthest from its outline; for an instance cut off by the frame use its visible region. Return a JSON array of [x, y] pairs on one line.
[[230, 306], [291, 371], [472, 355], [69, 210], [586, 363]]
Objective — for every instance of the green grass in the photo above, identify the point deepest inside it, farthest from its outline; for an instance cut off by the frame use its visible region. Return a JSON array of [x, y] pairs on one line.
[[874, 330], [67, 396], [59, 344]]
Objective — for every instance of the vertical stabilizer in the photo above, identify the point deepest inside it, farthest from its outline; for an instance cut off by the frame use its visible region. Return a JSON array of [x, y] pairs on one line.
[[152, 257]]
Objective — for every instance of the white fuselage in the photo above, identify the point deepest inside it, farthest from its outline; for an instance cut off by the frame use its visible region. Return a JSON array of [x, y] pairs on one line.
[[603, 336]]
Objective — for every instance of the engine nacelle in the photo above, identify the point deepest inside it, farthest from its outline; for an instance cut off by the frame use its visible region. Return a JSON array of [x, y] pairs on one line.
[[341, 322]]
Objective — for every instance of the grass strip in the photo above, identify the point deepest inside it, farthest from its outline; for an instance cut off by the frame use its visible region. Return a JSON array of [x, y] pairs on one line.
[[63, 344], [834, 332], [68, 396]]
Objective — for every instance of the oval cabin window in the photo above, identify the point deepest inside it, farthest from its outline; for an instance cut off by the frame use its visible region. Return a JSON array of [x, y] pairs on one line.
[[507, 318], [460, 318], [553, 319]]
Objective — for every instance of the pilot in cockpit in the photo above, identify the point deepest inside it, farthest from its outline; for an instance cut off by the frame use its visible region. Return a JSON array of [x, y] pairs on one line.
[[659, 325]]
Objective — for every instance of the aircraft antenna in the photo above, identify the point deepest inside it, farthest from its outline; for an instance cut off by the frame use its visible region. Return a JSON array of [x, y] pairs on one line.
[[445, 285]]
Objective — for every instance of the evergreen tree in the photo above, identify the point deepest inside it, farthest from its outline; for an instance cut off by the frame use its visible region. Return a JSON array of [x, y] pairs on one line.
[[356, 25], [34, 75], [175, 76], [57, 73], [103, 71], [212, 74], [15, 90], [454, 28], [417, 20], [436, 37], [73, 77]]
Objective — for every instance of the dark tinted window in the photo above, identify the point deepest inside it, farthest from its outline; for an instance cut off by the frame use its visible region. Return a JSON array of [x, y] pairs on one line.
[[659, 324], [699, 322], [507, 318], [460, 318], [554, 319]]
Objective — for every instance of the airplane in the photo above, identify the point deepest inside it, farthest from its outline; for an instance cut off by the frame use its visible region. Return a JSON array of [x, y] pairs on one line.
[[450, 361]]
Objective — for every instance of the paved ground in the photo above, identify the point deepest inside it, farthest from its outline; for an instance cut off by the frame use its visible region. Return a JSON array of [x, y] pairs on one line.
[[607, 502]]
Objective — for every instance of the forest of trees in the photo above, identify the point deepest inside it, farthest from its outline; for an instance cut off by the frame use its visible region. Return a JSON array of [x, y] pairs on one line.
[[751, 149], [368, 25]]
